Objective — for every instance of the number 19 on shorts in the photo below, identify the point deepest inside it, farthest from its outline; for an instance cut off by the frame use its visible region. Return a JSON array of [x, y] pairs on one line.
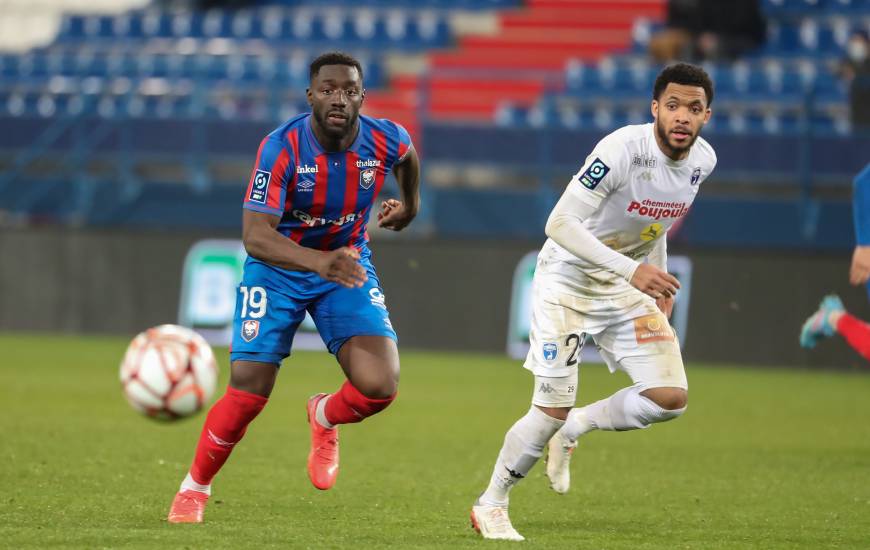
[[254, 301]]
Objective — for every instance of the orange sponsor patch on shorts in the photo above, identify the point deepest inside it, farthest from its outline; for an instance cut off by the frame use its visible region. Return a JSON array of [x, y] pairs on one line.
[[652, 328]]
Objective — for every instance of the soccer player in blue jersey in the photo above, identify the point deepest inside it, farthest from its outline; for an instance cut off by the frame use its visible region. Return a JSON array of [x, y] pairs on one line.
[[831, 317], [314, 183]]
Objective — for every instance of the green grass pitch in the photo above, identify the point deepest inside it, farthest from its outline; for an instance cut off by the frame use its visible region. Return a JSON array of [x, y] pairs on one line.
[[764, 458]]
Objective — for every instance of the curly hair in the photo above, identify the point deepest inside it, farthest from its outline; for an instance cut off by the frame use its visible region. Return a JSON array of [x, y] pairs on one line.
[[686, 74]]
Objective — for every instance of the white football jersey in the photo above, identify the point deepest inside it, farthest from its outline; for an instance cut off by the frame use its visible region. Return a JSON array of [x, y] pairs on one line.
[[638, 194]]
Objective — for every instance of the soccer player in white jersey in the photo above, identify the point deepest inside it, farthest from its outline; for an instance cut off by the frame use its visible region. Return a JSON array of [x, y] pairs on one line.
[[591, 279]]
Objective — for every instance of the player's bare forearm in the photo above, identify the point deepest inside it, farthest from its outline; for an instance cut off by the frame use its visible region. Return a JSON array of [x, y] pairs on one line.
[[396, 215], [263, 242]]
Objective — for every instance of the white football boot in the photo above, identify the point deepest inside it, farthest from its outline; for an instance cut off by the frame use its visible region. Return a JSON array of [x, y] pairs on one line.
[[492, 522], [559, 451]]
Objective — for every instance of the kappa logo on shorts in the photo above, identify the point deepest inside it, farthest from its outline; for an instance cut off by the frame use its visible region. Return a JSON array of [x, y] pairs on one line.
[[250, 330], [652, 328], [367, 178], [260, 187], [546, 388], [550, 351], [594, 174]]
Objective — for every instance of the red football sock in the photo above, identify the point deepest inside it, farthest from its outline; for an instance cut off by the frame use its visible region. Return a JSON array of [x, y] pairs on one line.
[[225, 426], [856, 332], [348, 405]]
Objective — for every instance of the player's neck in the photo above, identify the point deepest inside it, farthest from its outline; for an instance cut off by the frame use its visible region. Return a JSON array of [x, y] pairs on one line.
[[332, 144]]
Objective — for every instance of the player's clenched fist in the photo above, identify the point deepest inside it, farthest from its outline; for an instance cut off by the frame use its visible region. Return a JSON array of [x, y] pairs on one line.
[[394, 215], [342, 266], [653, 281]]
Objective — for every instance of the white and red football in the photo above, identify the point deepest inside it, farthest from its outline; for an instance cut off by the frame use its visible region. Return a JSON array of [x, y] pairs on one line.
[[169, 372]]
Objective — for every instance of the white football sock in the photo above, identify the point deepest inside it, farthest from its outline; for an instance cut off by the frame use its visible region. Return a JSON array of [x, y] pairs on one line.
[[523, 445], [626, 409], [320, 413], [190, 484]]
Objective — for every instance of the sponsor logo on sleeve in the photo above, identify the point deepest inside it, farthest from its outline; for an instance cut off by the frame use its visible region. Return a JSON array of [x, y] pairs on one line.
[[550, 351], [594, 174], [260, 187]]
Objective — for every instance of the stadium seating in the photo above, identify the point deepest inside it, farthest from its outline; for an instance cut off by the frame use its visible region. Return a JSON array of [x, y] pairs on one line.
[[537, 72]]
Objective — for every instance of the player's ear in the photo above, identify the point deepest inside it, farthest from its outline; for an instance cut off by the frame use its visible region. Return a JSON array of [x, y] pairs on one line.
[[362, 96], [654, 108], [707, 114], [308, 97]]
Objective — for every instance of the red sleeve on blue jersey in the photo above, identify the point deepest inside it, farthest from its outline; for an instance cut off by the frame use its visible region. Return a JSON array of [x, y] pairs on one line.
[[267, 188], [404, 143]]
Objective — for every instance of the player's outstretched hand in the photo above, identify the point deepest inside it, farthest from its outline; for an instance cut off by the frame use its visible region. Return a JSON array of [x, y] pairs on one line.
[[653, 281], [342, 266], [394, 215], [859, 272]]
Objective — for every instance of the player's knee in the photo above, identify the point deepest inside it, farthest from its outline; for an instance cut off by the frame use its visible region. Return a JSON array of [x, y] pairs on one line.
[[378, 387], [669, 399], [253, 377]]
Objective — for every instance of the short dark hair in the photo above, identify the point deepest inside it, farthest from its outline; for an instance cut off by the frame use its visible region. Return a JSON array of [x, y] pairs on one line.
[[333, 58], [686, 74]]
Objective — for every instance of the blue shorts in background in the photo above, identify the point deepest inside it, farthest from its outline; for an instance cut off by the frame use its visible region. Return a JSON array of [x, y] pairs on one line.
[[271, 303]]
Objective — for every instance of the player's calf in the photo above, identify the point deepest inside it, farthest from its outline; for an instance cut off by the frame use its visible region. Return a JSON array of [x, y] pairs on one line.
[[349, 405], [627, 409]]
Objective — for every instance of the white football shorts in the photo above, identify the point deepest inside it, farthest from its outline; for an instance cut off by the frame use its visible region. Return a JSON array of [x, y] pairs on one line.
[[630, 331]]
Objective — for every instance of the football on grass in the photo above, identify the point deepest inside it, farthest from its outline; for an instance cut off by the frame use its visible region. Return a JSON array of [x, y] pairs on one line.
[[169, 372]]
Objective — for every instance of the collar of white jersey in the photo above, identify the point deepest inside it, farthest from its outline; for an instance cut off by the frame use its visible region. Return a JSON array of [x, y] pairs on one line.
[[651, 131]]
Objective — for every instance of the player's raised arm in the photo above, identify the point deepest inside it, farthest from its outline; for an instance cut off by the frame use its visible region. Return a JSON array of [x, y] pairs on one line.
[[396, 215], [264, 242]]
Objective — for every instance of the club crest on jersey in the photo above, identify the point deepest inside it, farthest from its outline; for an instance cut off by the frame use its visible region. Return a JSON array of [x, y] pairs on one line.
[[250, 330], [367, 178], [305, 186], [696, 176], [260, 187], [594, 174], [550, 351]]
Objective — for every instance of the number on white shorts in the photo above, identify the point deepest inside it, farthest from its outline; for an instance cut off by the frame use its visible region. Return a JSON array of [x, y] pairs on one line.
[[254, 298]]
